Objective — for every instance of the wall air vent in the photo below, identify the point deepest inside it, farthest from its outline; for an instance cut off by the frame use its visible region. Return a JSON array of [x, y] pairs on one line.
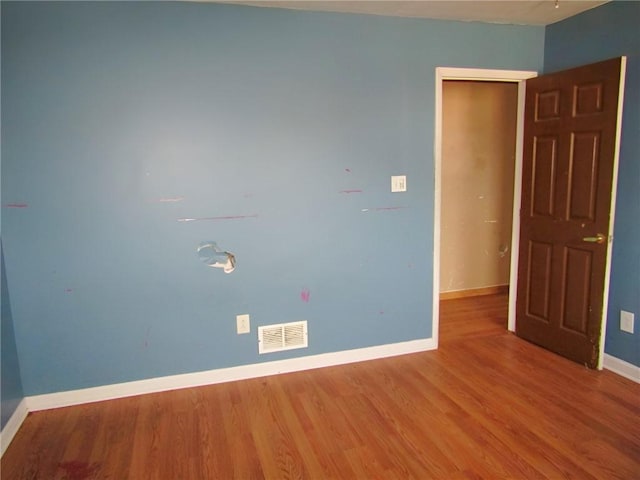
[[284, 336]]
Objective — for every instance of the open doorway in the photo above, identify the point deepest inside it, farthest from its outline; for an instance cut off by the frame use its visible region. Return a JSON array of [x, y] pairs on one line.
[[478, 161], [506, 248], [477, 182]]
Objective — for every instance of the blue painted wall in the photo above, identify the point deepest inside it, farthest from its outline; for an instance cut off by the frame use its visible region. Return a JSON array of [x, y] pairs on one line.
[[606, 32], [11, 392], [110, 110]]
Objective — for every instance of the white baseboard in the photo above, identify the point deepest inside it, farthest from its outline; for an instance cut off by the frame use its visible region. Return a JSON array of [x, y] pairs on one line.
[[13, 425], [625, 369], [210, 377]]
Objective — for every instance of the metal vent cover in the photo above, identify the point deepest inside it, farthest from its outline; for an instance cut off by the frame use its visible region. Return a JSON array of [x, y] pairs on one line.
[[283, 336]]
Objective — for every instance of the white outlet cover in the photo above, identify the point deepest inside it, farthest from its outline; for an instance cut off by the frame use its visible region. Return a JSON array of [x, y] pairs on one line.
[[399, 183], [626, 321]]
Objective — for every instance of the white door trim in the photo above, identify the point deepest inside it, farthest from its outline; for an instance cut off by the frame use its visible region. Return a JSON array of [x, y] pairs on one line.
[[612, 213], [452, 73]]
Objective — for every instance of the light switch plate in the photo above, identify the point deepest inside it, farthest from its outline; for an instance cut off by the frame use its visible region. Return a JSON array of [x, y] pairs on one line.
[[399, 183], [626, 321], [243, 323]]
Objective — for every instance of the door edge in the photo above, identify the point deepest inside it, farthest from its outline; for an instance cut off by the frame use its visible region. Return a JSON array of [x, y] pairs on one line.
[[612, 214]]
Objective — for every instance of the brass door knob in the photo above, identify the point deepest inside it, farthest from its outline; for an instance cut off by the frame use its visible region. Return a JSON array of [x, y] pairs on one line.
[[599, 238]]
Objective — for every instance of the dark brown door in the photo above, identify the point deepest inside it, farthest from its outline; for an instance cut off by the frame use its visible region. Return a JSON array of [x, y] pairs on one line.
[[568, 170]]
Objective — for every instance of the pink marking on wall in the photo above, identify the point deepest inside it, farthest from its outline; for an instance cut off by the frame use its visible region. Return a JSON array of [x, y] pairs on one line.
[[228, 217], [17, 205], [350, 191], [305, 295]]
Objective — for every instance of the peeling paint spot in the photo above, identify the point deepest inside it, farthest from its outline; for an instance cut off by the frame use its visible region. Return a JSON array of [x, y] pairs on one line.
[[350, 191], [76, 470], [229, 217], [480, 197], [491, 221], [213, 256], [305, 295], [365, 210], [17, 205], [502, 250]]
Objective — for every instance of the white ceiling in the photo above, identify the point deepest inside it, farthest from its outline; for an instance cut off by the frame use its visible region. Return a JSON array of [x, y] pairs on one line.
[[520, 12]]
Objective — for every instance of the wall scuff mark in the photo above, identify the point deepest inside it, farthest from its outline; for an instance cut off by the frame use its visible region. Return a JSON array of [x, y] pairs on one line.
[[350, 191], [168, 199], [229, 217], [17, 205], [213, 256], [382, 209], [146, 337]]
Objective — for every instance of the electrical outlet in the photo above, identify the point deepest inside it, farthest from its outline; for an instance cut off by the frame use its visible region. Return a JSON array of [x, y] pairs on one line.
[[626, 321], [243, 324]]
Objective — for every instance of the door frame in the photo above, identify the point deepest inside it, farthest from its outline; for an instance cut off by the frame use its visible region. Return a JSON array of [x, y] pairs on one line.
[[482, 75]]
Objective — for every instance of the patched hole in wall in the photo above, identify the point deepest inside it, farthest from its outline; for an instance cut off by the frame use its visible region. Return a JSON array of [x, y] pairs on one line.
[[213, 256]]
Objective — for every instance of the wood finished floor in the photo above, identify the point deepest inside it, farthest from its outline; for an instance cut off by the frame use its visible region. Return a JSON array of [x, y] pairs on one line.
[[486, 405]]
